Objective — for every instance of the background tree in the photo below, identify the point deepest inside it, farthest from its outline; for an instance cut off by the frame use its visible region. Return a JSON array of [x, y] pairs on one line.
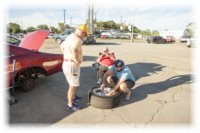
[[43, 27], [189, 30], [61, 27], [100, 25], [14, 28], [107, 25], [155, 33], [136, 30], [54, 30], [30, 29], [146, 32]]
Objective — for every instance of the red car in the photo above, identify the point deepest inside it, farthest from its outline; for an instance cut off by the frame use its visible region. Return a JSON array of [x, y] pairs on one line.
[[170, 39], [30, 63], [103, 37]]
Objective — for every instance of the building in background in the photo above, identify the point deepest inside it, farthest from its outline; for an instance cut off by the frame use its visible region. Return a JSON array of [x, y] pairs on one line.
[[176, 33]]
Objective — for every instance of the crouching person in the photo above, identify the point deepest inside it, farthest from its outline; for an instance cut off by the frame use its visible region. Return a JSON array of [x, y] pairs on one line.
[[121, 78]]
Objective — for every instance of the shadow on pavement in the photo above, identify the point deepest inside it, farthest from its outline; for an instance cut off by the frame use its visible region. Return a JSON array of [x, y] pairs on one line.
[[142, 69], [141, 92], [46, 104], [89, 58], [106, 43]]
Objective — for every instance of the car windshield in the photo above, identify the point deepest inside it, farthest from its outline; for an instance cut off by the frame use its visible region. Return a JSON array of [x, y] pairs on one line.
[[13, 41]]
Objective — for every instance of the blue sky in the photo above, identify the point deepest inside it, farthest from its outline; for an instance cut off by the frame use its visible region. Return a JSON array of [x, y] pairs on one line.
[[158, 17]]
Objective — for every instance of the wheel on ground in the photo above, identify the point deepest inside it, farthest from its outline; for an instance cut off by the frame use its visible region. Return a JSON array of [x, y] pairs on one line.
[[27, 84], [98, 99]]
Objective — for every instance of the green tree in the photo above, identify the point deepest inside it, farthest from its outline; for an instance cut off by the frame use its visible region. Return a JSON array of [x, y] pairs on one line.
[[30, 29], [189, 30], [155, 33], [43, 27], [14, 28], [100, 25], [107, 25], [146, 32], [54, 30], [61, 27], [136, 30]]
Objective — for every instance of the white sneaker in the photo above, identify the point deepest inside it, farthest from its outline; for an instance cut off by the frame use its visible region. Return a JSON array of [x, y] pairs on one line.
[[100, 81], [128, 96]]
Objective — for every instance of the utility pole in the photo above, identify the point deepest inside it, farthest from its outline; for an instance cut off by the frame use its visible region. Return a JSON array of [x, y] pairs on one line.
[[95, 16], [121, 20], [50, 26], [121, 25], [90, 23], [132, 36], [22, 25], [91, 19], [64, 17], [71, 21]]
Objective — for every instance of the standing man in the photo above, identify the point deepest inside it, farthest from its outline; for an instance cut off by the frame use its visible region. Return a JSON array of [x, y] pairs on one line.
[[121, 77], [72, 50]]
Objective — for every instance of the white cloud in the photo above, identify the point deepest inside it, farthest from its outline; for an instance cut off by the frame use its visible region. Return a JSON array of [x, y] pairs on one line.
[[34, 20], [49, 17], [163, 21], [145, 17]]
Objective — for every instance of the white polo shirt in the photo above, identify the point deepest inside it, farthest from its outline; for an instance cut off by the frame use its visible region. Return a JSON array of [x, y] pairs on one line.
[[72, 43]]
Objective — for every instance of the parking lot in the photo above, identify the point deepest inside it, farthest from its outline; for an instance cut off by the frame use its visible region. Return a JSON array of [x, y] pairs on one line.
[[162, 94]]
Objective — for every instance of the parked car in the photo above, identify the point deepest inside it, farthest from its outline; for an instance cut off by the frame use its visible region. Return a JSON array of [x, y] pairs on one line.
[[13, 40], [184, 39], [89, 40], [103, 36], [50, 36], [30, 63], [149, 39], [61, 37], [156, 39], [170, 39]]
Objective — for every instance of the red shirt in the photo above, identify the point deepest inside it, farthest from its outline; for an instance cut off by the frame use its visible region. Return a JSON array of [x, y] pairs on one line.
[[106, 61]]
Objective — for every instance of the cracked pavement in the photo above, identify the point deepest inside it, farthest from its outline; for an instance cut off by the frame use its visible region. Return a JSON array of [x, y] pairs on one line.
[[162, 94]]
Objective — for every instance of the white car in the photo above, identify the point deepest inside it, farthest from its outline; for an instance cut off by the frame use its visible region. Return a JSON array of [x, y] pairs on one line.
[[184, 39], [191, 42]]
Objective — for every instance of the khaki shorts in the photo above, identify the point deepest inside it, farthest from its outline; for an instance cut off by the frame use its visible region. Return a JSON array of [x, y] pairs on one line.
[[72, 72]]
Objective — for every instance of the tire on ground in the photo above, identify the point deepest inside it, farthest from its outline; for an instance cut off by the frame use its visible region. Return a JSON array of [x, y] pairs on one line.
[[27, 84], [105, 102]]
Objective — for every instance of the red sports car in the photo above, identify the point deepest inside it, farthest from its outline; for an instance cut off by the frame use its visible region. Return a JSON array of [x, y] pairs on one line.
[[30, 63]]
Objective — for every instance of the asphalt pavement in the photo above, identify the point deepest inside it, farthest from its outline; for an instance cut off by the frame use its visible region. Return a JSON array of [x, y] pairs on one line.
[[162, 94]]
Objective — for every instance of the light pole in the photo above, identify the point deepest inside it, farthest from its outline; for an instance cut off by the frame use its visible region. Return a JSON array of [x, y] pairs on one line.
[[71, 21], [64, 17], [132, 37]]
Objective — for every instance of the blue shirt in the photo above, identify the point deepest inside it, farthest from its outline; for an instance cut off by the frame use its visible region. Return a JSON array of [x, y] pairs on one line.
[[125, 74]]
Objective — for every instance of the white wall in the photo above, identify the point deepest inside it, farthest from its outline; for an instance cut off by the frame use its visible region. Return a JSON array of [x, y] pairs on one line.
[[176, 33]]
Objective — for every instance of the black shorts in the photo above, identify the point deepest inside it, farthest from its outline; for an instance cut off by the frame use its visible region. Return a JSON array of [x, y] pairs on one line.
[[128, 82]]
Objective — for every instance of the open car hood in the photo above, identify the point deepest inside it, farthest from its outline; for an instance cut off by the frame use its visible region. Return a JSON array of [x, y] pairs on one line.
[[34, 40]]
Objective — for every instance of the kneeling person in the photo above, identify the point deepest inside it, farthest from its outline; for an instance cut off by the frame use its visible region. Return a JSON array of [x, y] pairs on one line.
[[121, 77]]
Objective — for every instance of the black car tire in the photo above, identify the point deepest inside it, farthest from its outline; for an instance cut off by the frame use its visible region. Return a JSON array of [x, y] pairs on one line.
[[104, 102], [27, 84]]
